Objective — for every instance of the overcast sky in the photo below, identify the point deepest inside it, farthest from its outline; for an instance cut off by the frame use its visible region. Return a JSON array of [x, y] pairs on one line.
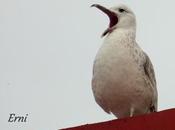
[[47, 48]]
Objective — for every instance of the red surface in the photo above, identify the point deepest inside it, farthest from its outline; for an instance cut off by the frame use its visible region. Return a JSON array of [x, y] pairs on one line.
[[164, 120]]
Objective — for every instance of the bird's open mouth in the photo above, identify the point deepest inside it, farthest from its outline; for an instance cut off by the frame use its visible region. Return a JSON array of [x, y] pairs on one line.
[[112, 17]]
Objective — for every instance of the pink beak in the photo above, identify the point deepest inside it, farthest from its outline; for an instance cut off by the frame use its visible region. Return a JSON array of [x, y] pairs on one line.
[[112, 17]]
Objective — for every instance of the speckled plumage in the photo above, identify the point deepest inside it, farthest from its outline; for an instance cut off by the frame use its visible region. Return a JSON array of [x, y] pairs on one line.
[[123, 80]]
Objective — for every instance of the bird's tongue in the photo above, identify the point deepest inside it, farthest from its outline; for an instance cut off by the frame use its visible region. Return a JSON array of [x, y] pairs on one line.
[[112, 16]]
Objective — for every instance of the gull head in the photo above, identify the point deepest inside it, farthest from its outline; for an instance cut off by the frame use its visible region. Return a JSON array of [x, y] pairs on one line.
[[119, 17]]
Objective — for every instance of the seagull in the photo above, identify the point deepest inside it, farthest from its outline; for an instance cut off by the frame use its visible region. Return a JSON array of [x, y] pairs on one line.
[[123, 81]]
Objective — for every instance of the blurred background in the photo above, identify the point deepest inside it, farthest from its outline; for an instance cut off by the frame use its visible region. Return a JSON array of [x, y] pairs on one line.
[[47, 48]]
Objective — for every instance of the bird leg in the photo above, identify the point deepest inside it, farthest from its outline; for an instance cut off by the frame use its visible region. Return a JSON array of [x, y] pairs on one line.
[[131, 112]]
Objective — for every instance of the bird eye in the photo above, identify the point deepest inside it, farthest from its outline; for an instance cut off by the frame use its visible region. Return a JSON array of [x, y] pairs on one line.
[[121, 10]]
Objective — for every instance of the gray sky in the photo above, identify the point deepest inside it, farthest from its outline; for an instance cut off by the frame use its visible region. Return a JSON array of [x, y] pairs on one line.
[[47, 48]]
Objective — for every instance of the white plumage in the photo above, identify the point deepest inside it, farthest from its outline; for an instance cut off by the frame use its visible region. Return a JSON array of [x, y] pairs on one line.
[[123, 80]]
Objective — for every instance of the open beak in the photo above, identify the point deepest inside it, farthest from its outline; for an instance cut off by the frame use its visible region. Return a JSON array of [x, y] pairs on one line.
[[112, 17]]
